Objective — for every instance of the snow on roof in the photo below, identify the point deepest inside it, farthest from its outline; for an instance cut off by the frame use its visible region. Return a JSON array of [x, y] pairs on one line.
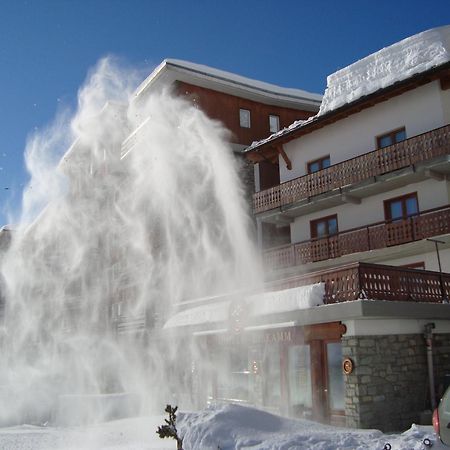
[[398, 62], [293, 126], [220, 77], [287, 300], [213, 313], [389, 65]]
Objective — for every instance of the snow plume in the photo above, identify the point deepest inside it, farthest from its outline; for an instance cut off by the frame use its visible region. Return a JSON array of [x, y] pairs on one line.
[[143, 211]]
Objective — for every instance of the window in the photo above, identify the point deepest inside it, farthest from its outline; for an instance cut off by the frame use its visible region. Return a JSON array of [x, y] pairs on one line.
[[391, 138], [326, 226], [336, 386], [272, 375], [244, 118], [300, 386], [274, 123], [400, 208], [319, 164], [273, 235]]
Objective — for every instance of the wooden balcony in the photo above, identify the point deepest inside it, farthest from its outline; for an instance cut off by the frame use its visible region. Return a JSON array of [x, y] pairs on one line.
[[375, 282], [411, 151], [433, 222]]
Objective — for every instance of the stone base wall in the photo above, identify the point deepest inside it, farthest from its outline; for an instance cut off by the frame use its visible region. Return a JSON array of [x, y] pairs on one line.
[[441, 362], [388, 387]]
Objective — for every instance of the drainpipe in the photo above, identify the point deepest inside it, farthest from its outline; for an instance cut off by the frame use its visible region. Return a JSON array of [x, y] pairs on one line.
[[428, 334], [441, 282]]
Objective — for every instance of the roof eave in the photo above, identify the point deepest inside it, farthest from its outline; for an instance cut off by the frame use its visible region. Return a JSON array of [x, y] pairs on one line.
[[169, 71], [354, 107]]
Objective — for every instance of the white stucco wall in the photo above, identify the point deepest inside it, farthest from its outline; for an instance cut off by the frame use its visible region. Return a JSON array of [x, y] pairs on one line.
[[384, 326], [429, 258], [419, 110], [430, 194], [445, 98]]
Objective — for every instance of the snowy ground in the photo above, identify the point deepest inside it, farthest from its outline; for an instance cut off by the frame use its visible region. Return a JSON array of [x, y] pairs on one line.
[[223, 427]]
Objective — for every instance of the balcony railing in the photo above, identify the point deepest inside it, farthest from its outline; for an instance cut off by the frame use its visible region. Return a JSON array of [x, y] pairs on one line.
[[433, 222], [375, 282], [419, 148]]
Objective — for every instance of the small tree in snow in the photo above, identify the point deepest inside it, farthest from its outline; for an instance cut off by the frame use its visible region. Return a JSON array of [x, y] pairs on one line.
[[170, 430]]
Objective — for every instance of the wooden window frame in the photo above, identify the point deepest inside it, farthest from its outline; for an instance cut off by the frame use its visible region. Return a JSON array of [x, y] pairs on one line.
[[402, 198], [313, 226], [390, 134], [278, 123], [249, 118], [318, 160]]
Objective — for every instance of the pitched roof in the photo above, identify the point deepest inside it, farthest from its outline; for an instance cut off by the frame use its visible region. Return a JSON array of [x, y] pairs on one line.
[[171, 70]]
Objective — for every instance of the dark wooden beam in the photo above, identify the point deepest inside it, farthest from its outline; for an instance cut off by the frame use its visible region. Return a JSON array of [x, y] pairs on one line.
[[285, 157]]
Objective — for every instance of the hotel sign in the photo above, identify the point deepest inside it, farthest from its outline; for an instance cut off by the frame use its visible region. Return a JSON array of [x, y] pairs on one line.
[[274, 337]]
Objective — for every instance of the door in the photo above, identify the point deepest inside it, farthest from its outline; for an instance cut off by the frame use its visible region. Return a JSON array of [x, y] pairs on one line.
[[327, 382], [334, 386], [299, 379]]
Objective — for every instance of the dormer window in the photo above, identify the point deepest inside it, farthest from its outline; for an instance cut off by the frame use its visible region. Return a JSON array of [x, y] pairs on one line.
[[274, 123], [244, 118]]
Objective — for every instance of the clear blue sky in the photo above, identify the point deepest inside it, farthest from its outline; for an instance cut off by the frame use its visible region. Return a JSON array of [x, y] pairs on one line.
[[47, 47]]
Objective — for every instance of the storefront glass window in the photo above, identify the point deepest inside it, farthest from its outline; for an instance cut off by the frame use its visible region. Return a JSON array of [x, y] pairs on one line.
[[335, 376], [272, 379], [231, 367], [300, 377], [239, 380]]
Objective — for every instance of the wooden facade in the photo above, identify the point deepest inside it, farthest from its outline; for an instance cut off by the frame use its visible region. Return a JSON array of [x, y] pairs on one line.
[[225, 108]]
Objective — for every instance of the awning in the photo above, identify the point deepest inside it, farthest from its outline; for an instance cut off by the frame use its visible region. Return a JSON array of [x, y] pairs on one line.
[[257, 305]]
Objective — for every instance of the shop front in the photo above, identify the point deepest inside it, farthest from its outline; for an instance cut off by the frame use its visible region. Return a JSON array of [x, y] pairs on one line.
[[294, 371]]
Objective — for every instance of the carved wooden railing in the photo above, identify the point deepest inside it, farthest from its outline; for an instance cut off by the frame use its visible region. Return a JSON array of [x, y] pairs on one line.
[[419, 148], [433, 222], [374, 282]]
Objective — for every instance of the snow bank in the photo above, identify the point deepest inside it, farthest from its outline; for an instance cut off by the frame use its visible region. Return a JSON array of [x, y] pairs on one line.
[[227, 427], [397, 62], [126, 434], [230, 427]]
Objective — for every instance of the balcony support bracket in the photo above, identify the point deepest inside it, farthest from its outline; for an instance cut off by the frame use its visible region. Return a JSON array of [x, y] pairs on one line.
[[435, 175], [282, 219], [280, 150], [347, 198]]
